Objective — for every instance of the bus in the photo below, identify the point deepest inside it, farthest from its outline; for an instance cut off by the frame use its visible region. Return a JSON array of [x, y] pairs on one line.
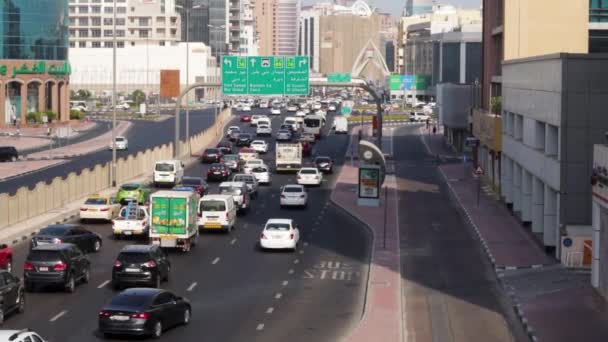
[[314, 124]]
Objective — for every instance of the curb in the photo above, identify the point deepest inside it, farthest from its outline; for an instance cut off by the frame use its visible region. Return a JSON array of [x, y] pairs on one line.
[[32, 171]]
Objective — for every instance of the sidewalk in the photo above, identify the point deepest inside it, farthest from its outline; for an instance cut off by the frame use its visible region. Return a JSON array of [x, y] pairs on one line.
[[553, 303], [36, 137]]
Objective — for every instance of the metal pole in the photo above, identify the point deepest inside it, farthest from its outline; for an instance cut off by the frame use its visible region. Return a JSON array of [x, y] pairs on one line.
[[188, 79], [385, 213], [113, 178], [478, 189]]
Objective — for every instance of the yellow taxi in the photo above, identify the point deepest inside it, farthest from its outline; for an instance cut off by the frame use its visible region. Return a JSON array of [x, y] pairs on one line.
[[98, 207]]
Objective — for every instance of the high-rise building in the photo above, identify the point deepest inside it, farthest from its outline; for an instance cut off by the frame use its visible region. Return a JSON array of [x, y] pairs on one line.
[[195, 20], [598, 26], [414, 7], [308, 43], [153, 22], [34, 66], [277, 24]]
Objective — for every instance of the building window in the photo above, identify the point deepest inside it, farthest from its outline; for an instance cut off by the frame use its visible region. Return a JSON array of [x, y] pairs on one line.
[[539, 135], [72, 9], [72, 33], [143, 22], [107, 33], [96, 33], [72, 21], [72, 44], [108, 44], [83, 21], [107, 21], [161, 43], [95, 21], [95, 9], [120, 33], [120, 21], [120, 44], [83, 9], [83, 33], [121, 10], [96, 44], [82, 44], [552, 141], [143, 33], [108, 10]]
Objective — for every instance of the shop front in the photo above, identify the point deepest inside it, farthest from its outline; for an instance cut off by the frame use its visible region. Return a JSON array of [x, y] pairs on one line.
[[29, 86]]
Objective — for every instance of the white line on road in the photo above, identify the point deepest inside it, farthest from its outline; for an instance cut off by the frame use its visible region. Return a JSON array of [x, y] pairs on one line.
[[290, 271], [191, 287], [103, 284], [285, 282], [57, 316], [269, 310], [260, 327], [233, 241], [215, 261], [278, 295], [296, 261]]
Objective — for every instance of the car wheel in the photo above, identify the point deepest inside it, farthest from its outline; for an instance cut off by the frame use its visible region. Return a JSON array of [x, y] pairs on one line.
[[186, 316], [157, 331], [96, 245], [86, 276], [70, 285], [13, 159], [1, 316], [21, 306], [168, 272]]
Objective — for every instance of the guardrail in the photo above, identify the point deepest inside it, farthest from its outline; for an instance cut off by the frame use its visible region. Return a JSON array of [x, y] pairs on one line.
[[26, 203]]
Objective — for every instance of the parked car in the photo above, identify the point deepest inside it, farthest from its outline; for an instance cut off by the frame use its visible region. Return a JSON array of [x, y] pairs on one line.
[[232, 161], [133, 192], [121, 143], [85, 240], [225, 147], [197, 183], [293, 195], [143, 311], [218, 172], [262, 174], [6, 257], [260, 146], [309, 176], [12, 296], [324, 164], [62, 264], [98, 207], [280, 234], [211, 155], [244, 139], [8, 153], [138, 265]]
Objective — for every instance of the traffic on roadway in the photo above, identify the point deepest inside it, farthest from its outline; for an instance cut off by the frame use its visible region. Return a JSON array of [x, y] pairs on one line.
[[242, 246]]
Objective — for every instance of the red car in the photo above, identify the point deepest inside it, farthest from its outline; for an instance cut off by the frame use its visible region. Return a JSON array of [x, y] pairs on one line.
[[245, 118], [6, 257], [306, 148]]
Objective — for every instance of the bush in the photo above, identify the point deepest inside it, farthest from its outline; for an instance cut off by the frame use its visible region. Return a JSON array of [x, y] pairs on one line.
[[33, 117], [496, 105], [51, 116], [75, 114]]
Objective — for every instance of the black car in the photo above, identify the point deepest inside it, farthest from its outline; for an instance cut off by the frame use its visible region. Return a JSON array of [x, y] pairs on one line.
[[86, 240], [211, 155], [143, 311], [218, 172], [225, 147], [61, 264], [8, 153], [199, 185], [140, 265], [324, 164], [244, 139], [12, 297]]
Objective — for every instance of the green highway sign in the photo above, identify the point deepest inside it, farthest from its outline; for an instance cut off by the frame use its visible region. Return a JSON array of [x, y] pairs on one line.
[[338, 77], [346, 110], [265, 75]]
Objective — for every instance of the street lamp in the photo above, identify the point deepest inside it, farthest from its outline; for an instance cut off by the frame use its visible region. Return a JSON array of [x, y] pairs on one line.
[[217, 28], [113, 171]]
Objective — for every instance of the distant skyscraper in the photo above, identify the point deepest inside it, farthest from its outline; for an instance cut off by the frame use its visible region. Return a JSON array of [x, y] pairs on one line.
[[413, 7]]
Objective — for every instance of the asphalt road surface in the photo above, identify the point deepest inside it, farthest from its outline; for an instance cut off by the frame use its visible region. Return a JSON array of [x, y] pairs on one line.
[[142, 135], [238, 292]]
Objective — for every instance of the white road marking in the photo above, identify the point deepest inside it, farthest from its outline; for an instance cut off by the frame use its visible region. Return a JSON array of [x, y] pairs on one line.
[[296, 261], [290, 271], [191, 287], [215, 261], [103, 284], [260, 327], [285, 282], [58, 316], [269, 310], [233, 241], [278, 295]]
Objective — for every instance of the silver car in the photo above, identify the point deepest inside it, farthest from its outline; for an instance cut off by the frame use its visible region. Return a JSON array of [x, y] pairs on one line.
[[283, 135], [293, 195], [250, 180]]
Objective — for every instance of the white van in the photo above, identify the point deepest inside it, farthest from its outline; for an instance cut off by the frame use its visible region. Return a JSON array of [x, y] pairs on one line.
[[264, 121], [168, 172], [217, 212], [340, 125]]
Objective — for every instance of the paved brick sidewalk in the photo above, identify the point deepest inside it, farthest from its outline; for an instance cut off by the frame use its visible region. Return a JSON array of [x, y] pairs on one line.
[[36, 137]]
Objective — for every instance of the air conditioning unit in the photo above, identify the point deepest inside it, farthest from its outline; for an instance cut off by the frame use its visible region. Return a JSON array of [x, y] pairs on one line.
[[576, 251]]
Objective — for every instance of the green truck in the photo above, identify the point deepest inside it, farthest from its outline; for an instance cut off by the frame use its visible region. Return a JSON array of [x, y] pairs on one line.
[[173, 219]]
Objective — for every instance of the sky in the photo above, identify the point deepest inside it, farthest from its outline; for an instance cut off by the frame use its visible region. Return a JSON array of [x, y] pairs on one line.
[[395, 7]]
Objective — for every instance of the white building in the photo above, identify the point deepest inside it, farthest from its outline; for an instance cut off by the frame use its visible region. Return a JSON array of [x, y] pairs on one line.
[[249, 41], [150, 22], [286, 26], [139, 67]]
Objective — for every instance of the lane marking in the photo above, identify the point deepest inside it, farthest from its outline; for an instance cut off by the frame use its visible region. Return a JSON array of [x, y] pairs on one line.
[[296, 261], [269, 310], [191, 287], [215, 261], [103, 284], [278, 295], [260, 327], [285, 282], [58, 316], [233, 241], [290, 271]]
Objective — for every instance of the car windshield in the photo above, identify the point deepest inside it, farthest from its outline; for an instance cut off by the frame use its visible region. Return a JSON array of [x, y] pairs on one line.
[[244, 136], [323, 160], [44, 255], [312, 122], [133, 257], [164, 167], [212, 205], [120, 139], [191, 181], [217, 167], [292, 189], [254, 162], [259, 170], [308, 171], [229, 190], [131, 187], [245, 179], [211, 151], [263, 126], [231, 157], [131, 300], [96, 201], [53, 231], [258, 143], [278, 226]]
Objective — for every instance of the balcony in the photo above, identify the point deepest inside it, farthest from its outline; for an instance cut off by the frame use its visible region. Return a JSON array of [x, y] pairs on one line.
[[235, 28], [487, 128]]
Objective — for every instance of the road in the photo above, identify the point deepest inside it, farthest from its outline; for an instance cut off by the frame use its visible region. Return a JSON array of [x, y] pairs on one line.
[[142, 135], [238, 293], [450, 292]]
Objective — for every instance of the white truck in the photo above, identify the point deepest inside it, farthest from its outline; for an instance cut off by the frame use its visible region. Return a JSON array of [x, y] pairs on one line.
[[132, 220], [288, 157], [174, 219], [340, 125]]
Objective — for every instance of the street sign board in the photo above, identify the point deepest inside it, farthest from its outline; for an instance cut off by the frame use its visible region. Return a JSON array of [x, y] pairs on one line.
[[169, 83], [336, 77], [346, 110], [265, 75]]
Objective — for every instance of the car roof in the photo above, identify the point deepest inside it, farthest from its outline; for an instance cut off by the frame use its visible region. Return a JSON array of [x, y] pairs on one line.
[[217, 197], [277, 220], [62, 225], [309, 168], [137, 248], [233, 184], [293, 186], [243, 174], [258, 141], [53, 247], [142, 291], [169, 161], [5, 335]]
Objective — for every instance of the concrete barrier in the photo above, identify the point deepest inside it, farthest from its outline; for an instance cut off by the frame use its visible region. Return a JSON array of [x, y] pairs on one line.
[[26, 203]]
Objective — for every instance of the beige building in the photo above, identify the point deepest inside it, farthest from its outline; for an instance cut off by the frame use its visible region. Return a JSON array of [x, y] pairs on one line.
[[264, 12], [277, 24]]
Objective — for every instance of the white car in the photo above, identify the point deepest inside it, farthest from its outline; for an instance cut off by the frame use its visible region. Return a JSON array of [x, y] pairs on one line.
[[292, 108], [250, 164], [419, 117], [263, 130], [256, 118], [259, 145], [132, 220], [124, 105], [121, 143], [300, 113], [246, 108], [293, 121], [316, 106], [293, 195], [331, 108], [24, 335], [283, 135], [275, 111], [262, 174], [232, 129], [97, 207], [310, 176], [280, 234]]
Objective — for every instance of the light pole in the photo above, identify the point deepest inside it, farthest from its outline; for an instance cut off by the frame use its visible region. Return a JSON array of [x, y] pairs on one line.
[[218, 64], [114, 99]]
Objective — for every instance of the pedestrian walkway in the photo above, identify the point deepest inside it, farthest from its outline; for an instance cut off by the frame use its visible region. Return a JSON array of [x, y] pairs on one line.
[[553, 303], [31, 138]]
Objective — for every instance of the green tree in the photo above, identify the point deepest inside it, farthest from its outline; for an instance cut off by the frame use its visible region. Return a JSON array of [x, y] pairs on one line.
[[83, 94], [496, 104], [138, 97], [72, 95]]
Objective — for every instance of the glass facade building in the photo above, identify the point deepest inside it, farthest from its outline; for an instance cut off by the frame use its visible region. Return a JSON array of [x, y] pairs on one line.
[[34, 29], [598, 32], [598, 11]]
